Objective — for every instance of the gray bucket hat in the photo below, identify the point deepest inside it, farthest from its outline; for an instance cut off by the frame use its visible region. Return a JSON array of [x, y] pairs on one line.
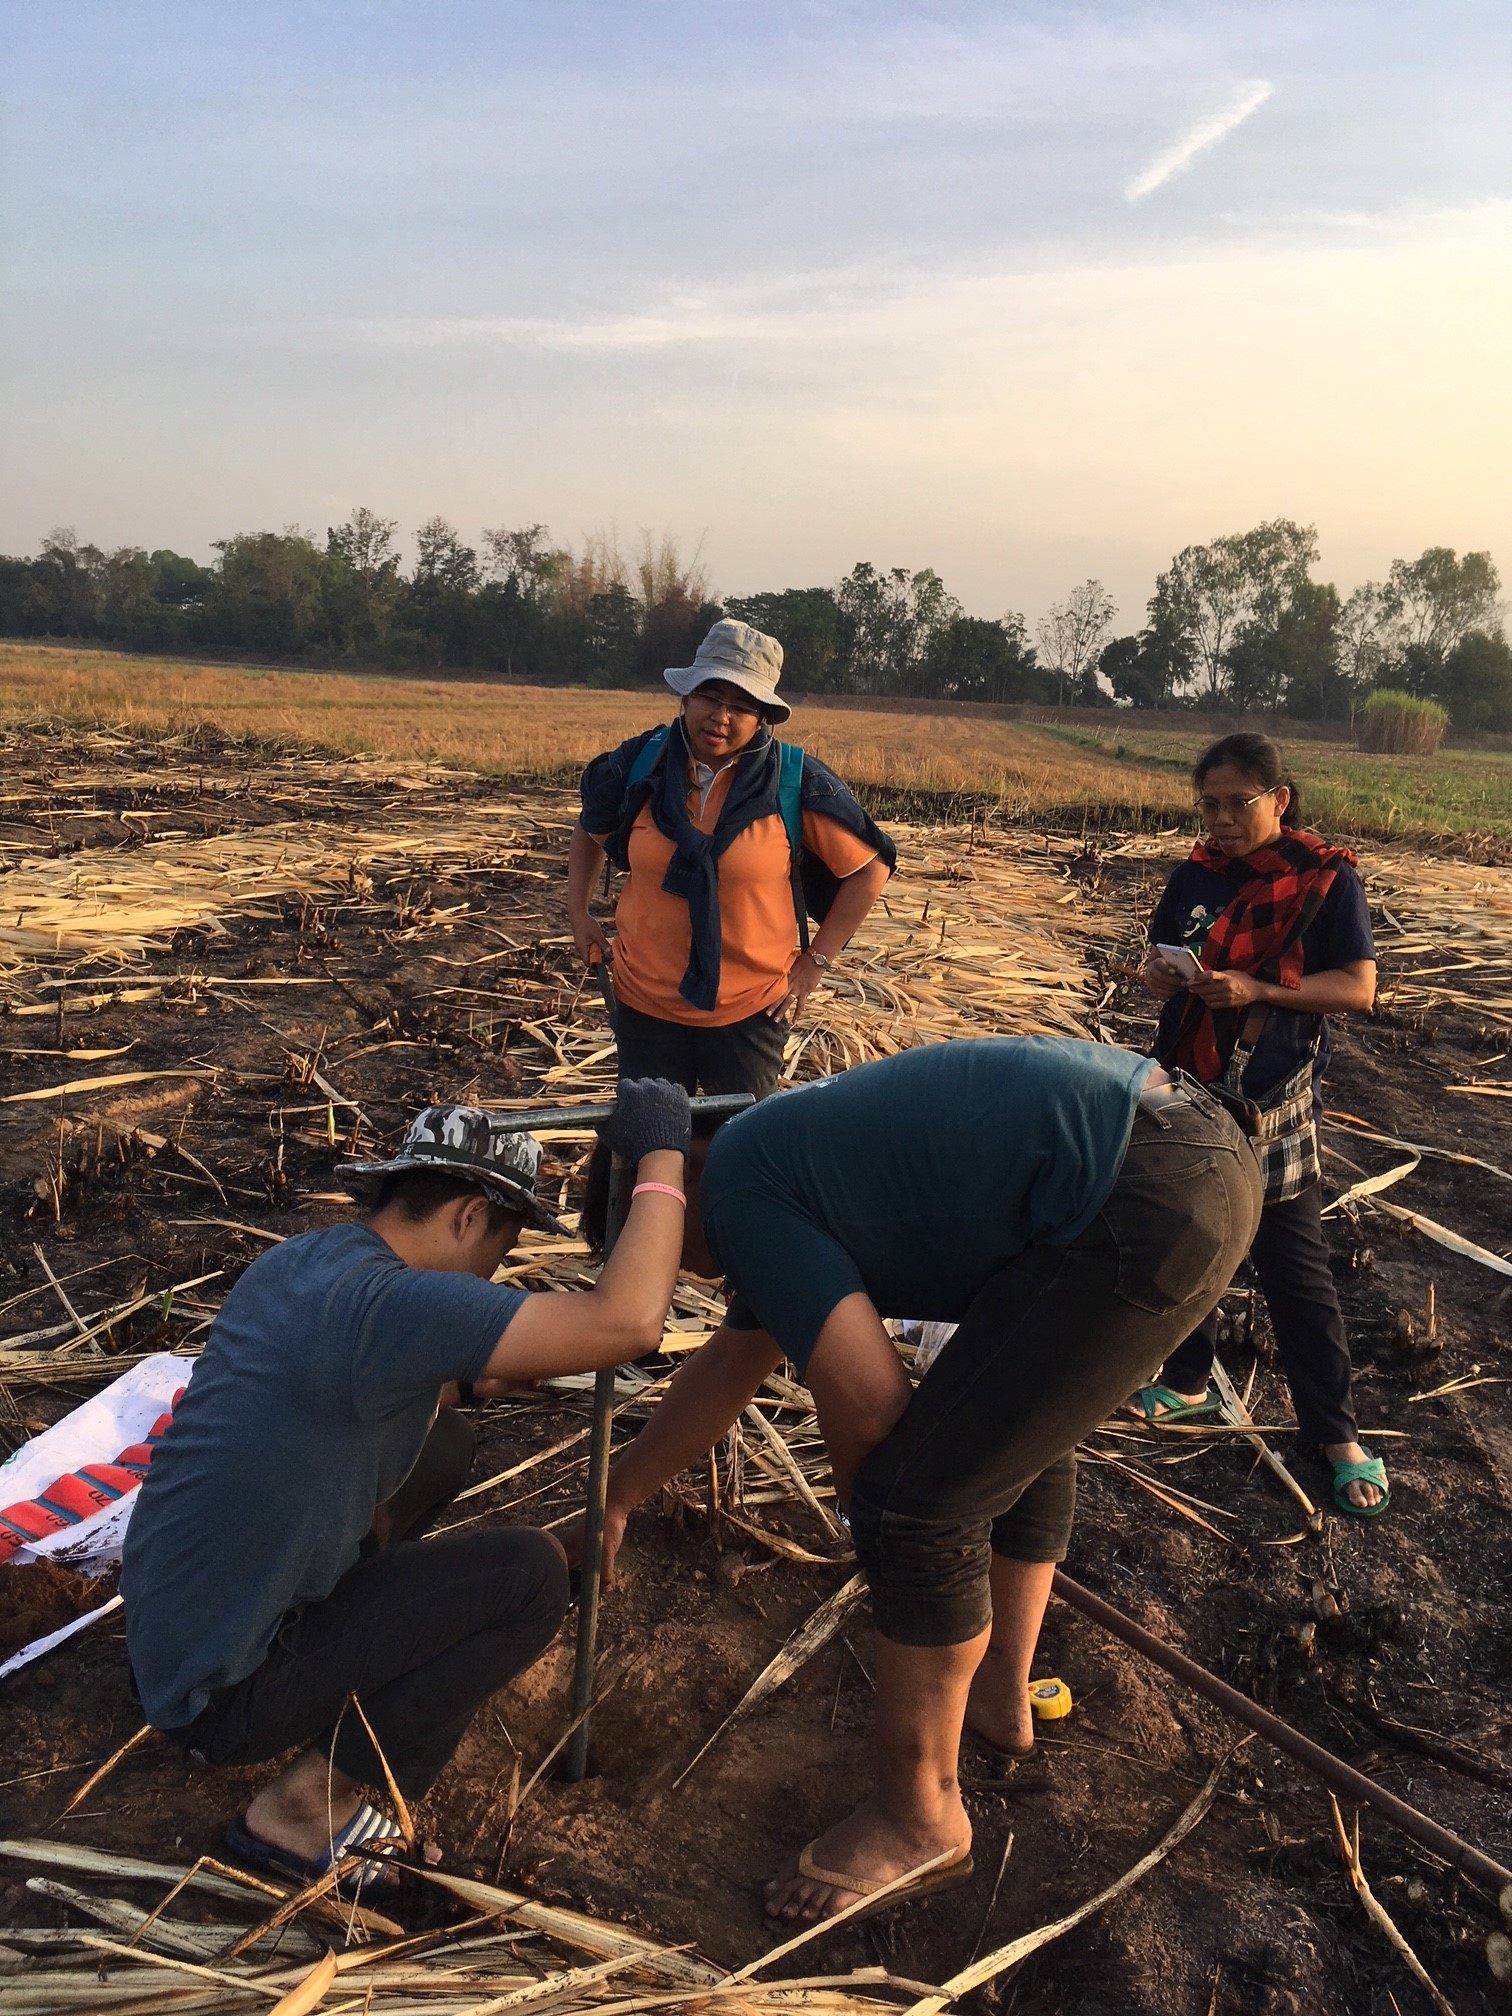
[[740, 656], [466, 1141]]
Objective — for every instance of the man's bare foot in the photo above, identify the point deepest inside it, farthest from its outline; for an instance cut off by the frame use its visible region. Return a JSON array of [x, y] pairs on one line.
[[300, 1811], [1357, 1491], [307, 1806], [868, 1844]]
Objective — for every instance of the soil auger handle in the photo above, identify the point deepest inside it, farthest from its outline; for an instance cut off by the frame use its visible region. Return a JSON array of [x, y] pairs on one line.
[[588, 1113], [621, 1180]]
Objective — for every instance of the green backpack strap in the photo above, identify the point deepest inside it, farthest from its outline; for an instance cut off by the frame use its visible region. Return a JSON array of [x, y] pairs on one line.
[[647, 758], [790, 794], [790, 800]]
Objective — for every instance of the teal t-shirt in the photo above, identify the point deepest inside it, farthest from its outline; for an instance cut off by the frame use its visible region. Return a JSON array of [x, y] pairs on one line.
[[316, 1391], [923, 1175]]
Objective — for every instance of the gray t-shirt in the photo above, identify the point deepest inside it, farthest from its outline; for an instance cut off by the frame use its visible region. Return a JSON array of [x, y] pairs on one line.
[[317, 1389]]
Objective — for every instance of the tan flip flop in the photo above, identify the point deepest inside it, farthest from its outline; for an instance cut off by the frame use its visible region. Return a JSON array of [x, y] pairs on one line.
[[945, 1877]]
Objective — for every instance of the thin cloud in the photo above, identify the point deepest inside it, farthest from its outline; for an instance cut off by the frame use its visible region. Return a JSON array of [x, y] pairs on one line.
[[1206, 133]]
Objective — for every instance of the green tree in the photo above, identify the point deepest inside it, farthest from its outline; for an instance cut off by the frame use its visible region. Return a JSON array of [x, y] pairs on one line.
[[362, 586], [1071, 639], [972, 658], [1363, 640], [518, 565], [890, 620], [1289, 658], [177, 582], [124, 583], [265, 593], [1476, 684], [807, 624], [1242, 582], [611, 635], [438, 601], [875, 609], [16, 596], [1437, 599], [933, 613], [65, 586], [676, 611], [1118, 662]]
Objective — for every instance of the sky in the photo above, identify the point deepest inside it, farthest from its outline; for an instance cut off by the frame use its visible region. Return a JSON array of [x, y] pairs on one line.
[[1025, 293]]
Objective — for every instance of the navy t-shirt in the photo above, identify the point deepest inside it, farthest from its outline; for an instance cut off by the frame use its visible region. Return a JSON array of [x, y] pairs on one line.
[[317, 1388], [1339, 935]]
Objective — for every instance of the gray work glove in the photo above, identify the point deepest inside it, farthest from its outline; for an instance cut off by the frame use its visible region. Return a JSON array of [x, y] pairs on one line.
[[648, 1114]]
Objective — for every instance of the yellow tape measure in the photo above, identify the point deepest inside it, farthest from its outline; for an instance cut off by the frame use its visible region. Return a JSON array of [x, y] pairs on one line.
[[1050, 1700]]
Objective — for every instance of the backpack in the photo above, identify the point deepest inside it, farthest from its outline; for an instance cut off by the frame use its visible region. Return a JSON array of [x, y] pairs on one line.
[[814, 885]]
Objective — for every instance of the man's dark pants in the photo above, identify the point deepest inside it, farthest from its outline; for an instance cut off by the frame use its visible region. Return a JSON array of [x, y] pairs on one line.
[[421, 1633], [983, 1460]]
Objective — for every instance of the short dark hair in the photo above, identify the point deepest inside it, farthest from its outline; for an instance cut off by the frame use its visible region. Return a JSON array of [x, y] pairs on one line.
[[1258, 758], [421, 1193]]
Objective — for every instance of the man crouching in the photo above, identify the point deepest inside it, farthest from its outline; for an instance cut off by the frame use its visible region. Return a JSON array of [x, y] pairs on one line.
[[265, 1574]]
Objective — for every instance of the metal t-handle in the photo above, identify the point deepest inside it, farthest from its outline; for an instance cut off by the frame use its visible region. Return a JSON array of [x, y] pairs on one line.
[[621, 1182]]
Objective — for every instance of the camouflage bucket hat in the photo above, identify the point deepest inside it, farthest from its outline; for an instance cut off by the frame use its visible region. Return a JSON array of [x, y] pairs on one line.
[[466, 1141]]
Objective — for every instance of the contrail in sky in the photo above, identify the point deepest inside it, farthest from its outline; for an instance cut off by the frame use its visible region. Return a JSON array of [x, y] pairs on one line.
[[1206, 133]]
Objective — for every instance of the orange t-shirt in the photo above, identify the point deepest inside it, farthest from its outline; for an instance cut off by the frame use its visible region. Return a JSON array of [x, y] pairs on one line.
[[758, 926]]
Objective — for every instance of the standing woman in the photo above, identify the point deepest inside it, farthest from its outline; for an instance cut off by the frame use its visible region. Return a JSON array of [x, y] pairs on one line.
[[707, 966], [1278, 920]]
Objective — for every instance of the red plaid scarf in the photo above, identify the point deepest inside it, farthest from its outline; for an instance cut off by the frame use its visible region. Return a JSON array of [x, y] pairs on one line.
[[1260, 932]]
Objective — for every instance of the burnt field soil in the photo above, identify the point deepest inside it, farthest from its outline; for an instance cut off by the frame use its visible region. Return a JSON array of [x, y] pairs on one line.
[[356, 959]]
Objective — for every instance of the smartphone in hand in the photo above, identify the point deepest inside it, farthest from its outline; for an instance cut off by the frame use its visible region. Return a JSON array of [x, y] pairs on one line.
[[1184, 960]]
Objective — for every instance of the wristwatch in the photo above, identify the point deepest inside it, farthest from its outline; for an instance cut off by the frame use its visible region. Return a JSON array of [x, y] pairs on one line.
[[824, 964]]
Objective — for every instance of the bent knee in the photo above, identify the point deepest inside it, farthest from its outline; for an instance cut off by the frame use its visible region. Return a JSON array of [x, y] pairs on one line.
[[534, 1575]]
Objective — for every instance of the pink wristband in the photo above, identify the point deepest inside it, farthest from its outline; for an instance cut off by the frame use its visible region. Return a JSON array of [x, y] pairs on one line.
[[666, 1190]]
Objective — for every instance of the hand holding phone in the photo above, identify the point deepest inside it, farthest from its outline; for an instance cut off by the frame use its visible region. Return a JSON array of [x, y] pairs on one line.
[[1184, 960]]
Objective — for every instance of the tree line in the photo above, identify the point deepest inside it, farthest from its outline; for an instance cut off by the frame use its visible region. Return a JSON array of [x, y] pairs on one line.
[[1239, 624]]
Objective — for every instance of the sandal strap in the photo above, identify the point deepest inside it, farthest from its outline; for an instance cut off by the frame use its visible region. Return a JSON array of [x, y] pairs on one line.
[[367, 1828], [813, 1873], [1371, 1471], [1151, 1397]]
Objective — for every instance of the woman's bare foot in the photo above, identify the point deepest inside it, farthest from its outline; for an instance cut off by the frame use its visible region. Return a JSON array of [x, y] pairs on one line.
[[868, 1844], [1358, 1491], [1134, 1410]]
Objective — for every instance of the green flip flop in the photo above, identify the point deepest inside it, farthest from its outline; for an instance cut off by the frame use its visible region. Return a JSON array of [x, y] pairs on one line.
[[1158, 1404], [1371, 1471]]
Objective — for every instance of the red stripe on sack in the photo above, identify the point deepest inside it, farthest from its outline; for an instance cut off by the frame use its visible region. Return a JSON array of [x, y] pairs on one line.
[[76, 1497], [70, 1499], [21, 1524]]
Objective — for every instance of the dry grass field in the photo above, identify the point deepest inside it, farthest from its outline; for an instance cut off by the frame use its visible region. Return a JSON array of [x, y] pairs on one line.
[[548, 733], [1119, 775]]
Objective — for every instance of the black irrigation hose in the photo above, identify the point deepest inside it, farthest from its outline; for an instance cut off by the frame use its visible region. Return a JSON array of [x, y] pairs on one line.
[[1344, 1779]]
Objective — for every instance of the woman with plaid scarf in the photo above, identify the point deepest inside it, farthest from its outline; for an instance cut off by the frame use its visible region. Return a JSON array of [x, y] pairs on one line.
[[1278, 920]]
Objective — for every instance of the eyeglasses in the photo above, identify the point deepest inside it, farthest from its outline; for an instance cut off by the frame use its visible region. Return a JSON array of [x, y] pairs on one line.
[[1235, 807], [720, 703]]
